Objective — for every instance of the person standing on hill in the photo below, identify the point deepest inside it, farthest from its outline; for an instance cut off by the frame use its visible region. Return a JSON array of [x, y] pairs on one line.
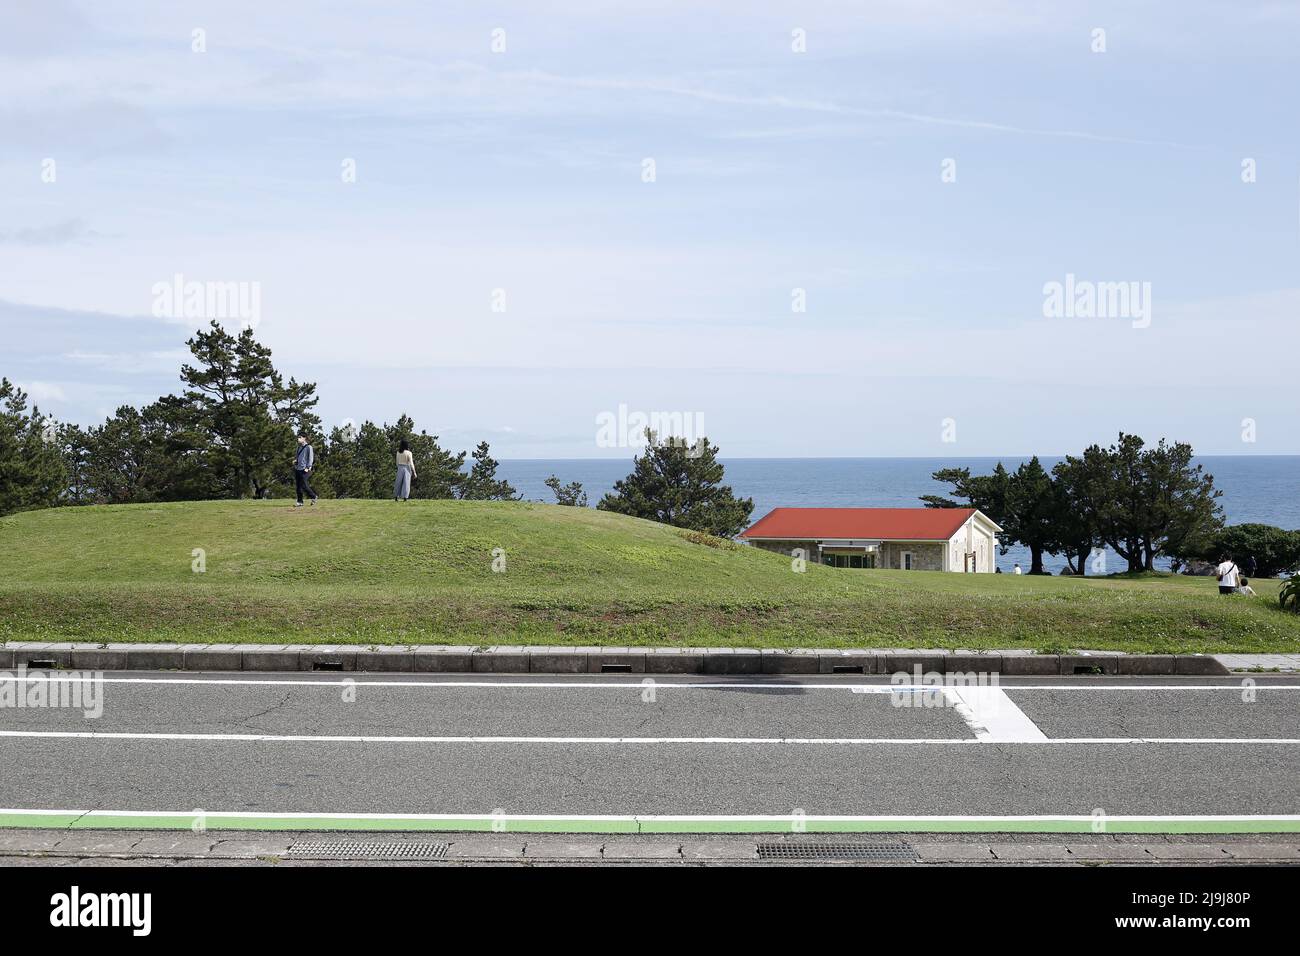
[[1227, 574], [405, 472], [303, 463]]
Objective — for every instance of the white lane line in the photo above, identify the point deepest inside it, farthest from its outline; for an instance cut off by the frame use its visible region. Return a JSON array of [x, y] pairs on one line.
[[702, 817], [812, 741], [516, 823], [992, 716], [660, 683]]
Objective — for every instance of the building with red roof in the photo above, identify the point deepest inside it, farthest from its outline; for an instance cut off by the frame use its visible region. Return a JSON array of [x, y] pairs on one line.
[[909, 539]]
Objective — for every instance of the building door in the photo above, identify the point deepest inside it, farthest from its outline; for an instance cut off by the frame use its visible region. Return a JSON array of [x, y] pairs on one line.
[[905, 561]]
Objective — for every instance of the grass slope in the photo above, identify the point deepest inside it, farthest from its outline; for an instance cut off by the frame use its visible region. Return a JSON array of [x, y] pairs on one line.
[[380, 572]]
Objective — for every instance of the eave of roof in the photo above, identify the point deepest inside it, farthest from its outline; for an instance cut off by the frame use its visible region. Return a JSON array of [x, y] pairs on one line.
[[884, 524]]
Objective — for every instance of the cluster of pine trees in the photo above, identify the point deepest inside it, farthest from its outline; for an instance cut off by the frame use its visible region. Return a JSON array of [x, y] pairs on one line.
[[231, 433], [1142, 501], [31, 465]]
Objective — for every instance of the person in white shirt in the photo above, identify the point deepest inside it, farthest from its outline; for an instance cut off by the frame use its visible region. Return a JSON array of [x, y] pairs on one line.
[[405, 472], [1227, 574], [1017, 570], [1245, 588]]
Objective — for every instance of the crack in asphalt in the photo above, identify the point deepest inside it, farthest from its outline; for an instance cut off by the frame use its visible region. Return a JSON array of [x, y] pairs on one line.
[[70, 828], [248, 721]]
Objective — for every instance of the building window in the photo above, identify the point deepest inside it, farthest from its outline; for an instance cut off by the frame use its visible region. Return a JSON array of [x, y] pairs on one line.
[[849, 560]]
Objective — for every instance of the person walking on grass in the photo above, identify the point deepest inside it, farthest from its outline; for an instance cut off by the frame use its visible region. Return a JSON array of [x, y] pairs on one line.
[[303, 463], [1227, 574], [405, 472]]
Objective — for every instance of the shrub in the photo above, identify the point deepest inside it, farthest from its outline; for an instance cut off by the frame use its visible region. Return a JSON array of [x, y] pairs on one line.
[[1274, 549], [709, 540], [1290, 594]]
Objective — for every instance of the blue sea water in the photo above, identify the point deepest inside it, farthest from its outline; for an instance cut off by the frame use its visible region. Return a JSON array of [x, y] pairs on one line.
[[1262, 488]]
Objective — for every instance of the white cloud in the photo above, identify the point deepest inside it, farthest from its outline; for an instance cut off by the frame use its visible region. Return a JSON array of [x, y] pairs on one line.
[[775, 171], [131, 363], [57, 234], [44, 391]]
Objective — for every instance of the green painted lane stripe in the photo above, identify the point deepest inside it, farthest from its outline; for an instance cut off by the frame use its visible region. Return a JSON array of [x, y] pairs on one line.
[[546, 823]]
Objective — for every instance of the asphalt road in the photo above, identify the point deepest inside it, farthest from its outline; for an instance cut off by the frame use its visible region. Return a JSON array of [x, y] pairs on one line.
[[330, 743]]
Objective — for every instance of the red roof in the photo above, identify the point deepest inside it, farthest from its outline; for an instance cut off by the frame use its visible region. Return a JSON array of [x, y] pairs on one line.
[[890, 524]]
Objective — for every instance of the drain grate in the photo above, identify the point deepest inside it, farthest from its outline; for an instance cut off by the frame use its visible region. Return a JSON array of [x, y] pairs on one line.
[[828, 850], [357, 850]]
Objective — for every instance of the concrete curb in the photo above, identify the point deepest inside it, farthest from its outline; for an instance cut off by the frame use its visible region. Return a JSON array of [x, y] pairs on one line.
[[464, 659], [255, 847]]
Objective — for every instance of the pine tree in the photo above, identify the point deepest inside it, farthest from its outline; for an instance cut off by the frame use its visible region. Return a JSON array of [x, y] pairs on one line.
[[1180, 501], [1031, 511], [244, 409], [988, 493], [1145, 502], [482, 484], [33, 473], [680, 485], [77, 444], [346, 464], [1075, 534], [570, 495], [361, 462], [178, 444]]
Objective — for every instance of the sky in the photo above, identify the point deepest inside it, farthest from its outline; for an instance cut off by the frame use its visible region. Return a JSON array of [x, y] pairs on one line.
[[805, 229]]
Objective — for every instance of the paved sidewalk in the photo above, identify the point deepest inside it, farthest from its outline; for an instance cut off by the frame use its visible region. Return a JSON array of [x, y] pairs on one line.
[[180, 848], [1288, 663]]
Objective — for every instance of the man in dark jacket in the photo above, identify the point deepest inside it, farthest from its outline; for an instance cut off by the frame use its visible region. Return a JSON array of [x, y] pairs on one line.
[[302, 465]]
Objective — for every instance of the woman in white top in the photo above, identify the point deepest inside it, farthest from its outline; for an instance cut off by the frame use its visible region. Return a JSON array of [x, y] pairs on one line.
[[405, 472]]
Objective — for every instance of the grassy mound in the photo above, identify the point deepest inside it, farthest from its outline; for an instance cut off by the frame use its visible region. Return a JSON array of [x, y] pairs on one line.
[[422, 571]]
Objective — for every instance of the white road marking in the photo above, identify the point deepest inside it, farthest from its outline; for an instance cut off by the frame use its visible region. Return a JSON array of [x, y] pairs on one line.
[[313, 815], [660, 682], [868, 741], [992, 716], [1092, 820]]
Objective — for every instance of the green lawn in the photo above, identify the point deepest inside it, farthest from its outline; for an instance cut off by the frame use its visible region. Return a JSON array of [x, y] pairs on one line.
[[380, 572]]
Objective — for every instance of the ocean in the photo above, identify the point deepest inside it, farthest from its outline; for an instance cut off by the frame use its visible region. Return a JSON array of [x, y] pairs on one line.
[[1258, 488]]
